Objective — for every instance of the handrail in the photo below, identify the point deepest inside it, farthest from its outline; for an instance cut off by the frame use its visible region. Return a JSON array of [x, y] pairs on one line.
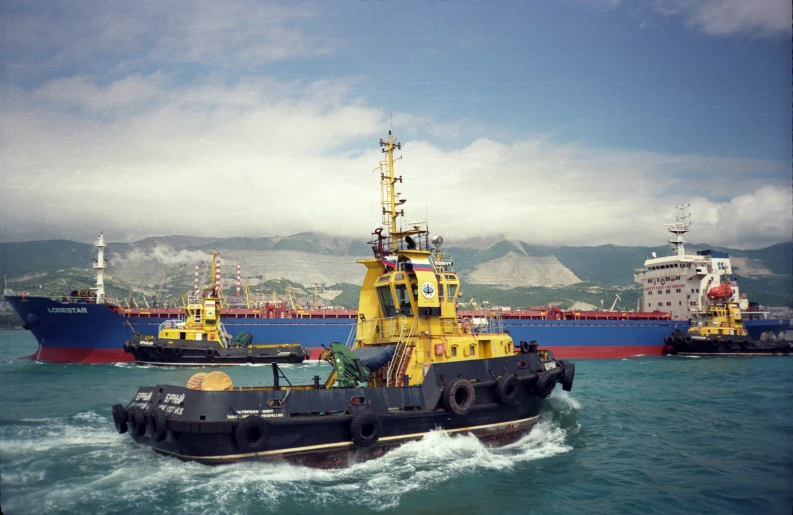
[[400, 354]]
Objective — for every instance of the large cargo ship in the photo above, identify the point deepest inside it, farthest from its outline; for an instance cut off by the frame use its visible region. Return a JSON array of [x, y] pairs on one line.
[[90, 328]]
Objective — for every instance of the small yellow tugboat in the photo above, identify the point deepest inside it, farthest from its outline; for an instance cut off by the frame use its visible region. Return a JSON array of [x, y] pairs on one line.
[[414, 367], [199, 339], [721, 332]]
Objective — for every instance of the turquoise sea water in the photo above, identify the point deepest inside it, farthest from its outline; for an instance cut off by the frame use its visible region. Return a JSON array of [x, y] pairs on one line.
[[643, 435]]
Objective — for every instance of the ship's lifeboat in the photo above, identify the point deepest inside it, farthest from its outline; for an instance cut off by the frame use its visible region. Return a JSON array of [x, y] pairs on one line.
[[720, 292]]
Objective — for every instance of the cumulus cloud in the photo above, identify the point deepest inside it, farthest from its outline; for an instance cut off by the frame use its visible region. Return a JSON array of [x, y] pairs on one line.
[[767, 18], [238, 161]]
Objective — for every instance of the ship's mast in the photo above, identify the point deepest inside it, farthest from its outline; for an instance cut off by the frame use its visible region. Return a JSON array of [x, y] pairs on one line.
[[387, 182], [100, 265], [678, 229]]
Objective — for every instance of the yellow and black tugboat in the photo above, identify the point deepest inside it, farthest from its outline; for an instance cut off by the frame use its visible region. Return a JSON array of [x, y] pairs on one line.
[[199, 339], [721, 332], [413, 367]]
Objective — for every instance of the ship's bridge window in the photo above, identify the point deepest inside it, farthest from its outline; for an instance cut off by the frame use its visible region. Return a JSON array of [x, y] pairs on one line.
[[451, 277], [386, 301], [452, 292], [403, 298]]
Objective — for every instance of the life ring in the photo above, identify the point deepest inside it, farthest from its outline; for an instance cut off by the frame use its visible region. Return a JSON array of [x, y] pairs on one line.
[[251, 434], [120, 418], [365, 430], [568, 375], [459, 396], [158, 424], [178, 351], [466, 323], [136, 420], [159, 348], [545, 384], [507, 389], [210, 353]]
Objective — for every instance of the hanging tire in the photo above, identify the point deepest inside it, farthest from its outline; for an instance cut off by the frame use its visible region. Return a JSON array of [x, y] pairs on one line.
[[126, 346], [365, 430], [177, 351], [568, 375], [210, 353], [158, 424], [120, 418], [524, 347], [459, 396], [544, 385], [136, 420], [251, 434], [507, 389], [668, 340], [133, 348], [159, 349]]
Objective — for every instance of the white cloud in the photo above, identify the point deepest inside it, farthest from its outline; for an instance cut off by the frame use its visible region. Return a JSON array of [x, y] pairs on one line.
[[765, 18], [261, 158]]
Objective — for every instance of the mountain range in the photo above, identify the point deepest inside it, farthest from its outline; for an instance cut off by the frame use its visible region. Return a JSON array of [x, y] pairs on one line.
[[492, 267]]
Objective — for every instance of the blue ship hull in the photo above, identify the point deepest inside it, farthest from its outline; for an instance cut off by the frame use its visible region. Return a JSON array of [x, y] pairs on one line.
[[95, 333]]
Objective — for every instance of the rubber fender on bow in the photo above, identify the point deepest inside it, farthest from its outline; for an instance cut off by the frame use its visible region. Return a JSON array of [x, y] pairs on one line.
[[459, 396], [178, 351], [544, 385], [251, 434], [507, 389], [568, 375], [136, 421], [365, 430], [210, 353], [159, 348], [157, 423], [120, 418]]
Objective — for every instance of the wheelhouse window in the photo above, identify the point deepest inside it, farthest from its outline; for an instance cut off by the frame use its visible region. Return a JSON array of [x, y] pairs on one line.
[[403, 298], [452, 292], [386, 301]]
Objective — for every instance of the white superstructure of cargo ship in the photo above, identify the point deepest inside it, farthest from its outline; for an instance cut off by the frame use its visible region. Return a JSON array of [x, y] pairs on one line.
[[679, 283]]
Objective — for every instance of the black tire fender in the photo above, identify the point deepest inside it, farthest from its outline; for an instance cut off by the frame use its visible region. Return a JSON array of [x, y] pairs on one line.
[[210, 353], [120, 418], [459, 396], [127, 345], [524, 347], [365, 430], [159, 349], [158, 424], [545, 384], [136, 420], [178, 351], [507, 389], [568, 375], [251, 434]]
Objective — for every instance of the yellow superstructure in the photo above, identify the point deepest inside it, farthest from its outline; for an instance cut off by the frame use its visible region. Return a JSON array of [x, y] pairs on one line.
[[408, 296], [723, 318]]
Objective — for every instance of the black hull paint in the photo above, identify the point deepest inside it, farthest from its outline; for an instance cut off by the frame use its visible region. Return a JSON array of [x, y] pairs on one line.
[[322, 427], [184, 353], [685, 344]]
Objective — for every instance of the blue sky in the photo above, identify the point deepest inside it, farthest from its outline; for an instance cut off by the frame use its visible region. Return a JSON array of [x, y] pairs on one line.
[[577, 122]]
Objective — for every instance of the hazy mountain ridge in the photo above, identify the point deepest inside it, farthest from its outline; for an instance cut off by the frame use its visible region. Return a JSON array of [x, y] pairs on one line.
[[309, 258]]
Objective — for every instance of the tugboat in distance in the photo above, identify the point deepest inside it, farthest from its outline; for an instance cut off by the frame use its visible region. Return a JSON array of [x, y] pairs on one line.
[[199, 339], [721, 332], [414, 367]]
